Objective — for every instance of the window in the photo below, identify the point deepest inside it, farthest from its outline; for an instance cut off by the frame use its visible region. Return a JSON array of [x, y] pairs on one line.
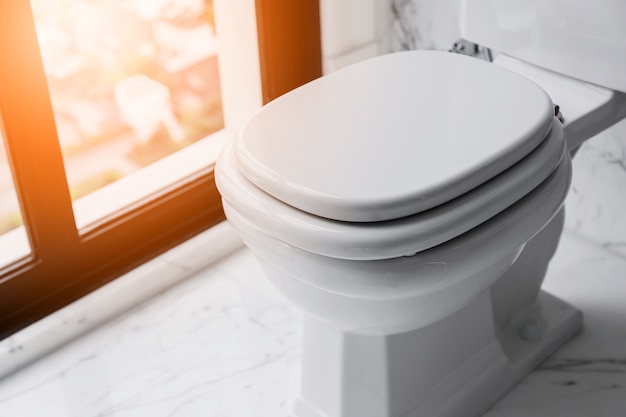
[[76, 242], [128, 97]]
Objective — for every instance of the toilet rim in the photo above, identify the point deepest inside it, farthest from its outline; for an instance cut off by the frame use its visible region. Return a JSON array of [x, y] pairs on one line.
[[506, 232], [395, 238]]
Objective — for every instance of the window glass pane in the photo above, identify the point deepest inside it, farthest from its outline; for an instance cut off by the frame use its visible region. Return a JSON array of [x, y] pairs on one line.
[[131, 82], [13, 239]]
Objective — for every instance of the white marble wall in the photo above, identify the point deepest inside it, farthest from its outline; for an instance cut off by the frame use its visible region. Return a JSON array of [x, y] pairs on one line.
[[596, 206], [353, 30]]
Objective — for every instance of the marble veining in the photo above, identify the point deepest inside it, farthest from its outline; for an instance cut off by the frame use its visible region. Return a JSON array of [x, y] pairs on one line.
[[596, 206], [201, 341]]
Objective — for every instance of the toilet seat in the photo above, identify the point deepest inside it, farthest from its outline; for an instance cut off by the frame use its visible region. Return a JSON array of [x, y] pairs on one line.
[[244, 184], [392, 136], [395, 238]]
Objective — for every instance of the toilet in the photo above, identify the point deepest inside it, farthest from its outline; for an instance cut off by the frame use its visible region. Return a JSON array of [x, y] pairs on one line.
[[409, 206]]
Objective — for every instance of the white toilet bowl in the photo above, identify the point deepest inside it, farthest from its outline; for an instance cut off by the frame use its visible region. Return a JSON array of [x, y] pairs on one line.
[[388, 201]]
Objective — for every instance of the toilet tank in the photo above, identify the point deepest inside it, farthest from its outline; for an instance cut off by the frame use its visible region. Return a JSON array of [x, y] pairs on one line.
[[582, 39]]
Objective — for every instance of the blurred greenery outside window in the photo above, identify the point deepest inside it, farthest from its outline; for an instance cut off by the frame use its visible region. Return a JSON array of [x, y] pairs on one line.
[[113, 140], [131, 82]]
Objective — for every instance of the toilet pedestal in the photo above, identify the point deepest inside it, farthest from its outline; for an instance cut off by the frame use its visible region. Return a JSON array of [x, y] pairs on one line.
[[458, 366]]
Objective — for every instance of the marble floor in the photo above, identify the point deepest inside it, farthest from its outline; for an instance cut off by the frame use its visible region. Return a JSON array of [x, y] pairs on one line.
[[223, 343]]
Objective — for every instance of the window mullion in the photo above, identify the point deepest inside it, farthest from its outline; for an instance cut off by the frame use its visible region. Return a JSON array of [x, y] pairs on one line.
[[30, 132], [290, 47]]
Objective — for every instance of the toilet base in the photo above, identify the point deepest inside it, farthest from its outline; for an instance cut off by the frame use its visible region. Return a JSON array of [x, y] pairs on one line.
[[446, 369]]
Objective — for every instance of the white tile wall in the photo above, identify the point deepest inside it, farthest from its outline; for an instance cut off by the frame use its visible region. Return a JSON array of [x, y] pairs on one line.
[[353, 30]]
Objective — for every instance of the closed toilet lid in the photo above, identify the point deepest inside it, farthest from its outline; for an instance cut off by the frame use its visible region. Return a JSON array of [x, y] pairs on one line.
[[392, 136]]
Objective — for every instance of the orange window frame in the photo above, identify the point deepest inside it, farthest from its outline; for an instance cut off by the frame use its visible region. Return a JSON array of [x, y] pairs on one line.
[[64, 264]]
